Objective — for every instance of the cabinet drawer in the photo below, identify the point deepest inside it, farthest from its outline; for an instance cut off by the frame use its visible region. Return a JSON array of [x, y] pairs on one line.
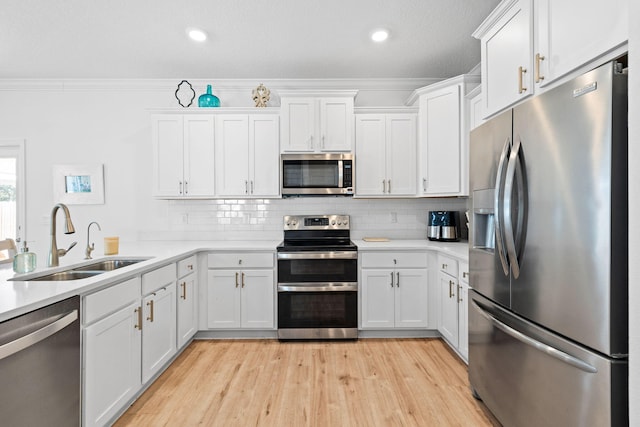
[[394, 259], [186, 266], [464, 271], [241, 260], [110, 299], [158, 278], [448, 265]]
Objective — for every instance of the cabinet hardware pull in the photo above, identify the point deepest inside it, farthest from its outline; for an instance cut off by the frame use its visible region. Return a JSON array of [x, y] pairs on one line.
[[521, 71], [236, 279], [184, 290], [311, 141], [180, 186], [251, 186], [139, 324], [392, 279], [389, 186], [465, 274], [398, 279], [450, 289], [246, 187], [190, 267], [384, 189], [444, 266], [150, 304], [186, 187], [459, 292], [322, 141], [243, 279], [539, 58], [424, 184]]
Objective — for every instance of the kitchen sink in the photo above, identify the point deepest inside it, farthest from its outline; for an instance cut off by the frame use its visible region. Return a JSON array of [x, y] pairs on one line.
[[83, 271]]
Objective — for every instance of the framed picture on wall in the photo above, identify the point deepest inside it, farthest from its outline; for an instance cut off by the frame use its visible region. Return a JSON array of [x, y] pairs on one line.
[[78, 184]]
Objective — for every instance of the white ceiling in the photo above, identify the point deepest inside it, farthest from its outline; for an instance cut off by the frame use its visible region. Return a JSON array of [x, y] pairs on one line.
[[269, 39]]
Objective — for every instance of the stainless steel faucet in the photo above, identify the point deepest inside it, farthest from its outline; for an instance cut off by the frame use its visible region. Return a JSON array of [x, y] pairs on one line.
[[92, 246], [54, 252]]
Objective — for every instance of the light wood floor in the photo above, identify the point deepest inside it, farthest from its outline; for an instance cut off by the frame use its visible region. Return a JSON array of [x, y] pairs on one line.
[[370, 382]]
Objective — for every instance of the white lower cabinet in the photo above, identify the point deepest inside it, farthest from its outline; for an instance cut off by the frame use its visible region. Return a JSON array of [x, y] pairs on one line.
[[453, 292], [241, 291], [128, 339], [187, 300], [394, 290]]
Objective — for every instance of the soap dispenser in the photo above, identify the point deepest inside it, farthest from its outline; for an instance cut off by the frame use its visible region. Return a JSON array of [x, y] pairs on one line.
[[25, 261]]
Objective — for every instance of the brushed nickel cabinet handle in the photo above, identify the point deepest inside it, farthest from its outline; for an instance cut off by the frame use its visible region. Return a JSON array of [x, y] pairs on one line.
[[539, 59], [398, 279], [450, 289], [384, 188], [246, 187], [186, 187], [459, 292], [180, 187], [389, 186], [236, 279], [521, 71], [392, 279], [184, 290], [243, 279]]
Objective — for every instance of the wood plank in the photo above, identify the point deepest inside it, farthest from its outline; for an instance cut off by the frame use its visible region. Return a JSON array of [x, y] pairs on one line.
[[370, 382]]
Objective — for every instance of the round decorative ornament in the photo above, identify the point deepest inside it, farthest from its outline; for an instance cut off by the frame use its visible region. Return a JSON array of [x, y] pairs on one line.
[[261, 95], [185, 93]]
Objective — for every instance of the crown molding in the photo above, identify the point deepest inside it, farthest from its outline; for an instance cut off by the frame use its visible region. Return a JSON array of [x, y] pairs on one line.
[[466, 80], [493, 18]]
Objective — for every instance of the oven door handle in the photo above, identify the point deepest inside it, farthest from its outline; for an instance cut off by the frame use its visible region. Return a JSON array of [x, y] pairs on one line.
[[318, 287], [319, 255]]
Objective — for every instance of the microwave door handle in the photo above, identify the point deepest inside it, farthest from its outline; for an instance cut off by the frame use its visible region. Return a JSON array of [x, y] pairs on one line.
[[340, 174]]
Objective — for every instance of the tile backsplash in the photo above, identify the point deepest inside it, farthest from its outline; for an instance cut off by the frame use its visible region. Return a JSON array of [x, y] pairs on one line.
[[261, 219]]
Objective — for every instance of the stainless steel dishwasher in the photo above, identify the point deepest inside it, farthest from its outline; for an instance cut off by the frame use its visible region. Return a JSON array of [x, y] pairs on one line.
[[40, 367]]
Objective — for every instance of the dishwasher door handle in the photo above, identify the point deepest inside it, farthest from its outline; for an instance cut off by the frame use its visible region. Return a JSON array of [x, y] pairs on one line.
[[35, 337]]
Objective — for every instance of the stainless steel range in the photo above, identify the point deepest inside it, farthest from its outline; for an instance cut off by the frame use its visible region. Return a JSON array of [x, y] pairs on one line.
[[317, 279]]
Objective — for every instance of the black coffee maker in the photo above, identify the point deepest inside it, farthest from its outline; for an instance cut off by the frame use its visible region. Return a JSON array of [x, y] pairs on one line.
[[444, 226]]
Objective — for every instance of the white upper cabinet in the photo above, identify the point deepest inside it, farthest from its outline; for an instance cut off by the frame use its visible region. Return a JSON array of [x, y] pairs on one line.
[[474, 108], [385, 155], [443, 139], [183, 153], [317, 123], [570, 35], [526, 45], [247, 155], [506, 46]]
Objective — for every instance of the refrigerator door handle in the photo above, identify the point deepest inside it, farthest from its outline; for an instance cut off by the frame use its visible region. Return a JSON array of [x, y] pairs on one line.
[[551, 351], [498, 208], [513, 165]]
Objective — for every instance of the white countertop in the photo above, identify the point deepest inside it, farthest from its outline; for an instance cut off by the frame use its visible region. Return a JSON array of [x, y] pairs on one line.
[[18, 296], [458, 250]]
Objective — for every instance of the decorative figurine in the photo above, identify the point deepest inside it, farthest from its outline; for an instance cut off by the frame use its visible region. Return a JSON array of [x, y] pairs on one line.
[[208, 99], [261, 95], [184, 93]]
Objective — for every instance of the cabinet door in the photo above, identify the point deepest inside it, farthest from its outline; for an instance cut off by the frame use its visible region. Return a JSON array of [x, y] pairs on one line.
[[448, 324], [401, 154], [411, 299], [475, 111], [336, 124], [505, 48], [378, 292], [168, 135], [112, 365], [440, 141], [264, 155], [257, 306], [223, 299], [198, 156], [569, 36], [159, 330], [463, 320], [232, 155], [187, 309], [298, 124], [370, 155]]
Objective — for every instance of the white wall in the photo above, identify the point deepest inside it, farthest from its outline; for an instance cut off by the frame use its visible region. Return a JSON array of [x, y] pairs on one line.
[[68, 122], [634, 209]]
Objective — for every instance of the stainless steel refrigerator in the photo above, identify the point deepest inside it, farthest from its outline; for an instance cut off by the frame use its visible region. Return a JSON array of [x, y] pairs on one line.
[[548, 255]]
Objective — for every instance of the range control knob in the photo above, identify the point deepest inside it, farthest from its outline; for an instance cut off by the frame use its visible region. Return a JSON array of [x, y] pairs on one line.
[[333, 222]]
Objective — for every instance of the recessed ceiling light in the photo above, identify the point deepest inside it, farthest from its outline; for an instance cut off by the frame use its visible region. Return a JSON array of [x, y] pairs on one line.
[[379, 35], [196, 34]]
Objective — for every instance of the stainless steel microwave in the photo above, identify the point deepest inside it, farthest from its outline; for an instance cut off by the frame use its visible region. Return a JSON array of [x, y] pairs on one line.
[[317, 174]]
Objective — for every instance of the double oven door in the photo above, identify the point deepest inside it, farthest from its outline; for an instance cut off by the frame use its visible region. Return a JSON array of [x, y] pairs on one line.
[[318, 295]]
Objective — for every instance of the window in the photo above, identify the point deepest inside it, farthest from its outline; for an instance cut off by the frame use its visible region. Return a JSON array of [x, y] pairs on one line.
[[12, 194]]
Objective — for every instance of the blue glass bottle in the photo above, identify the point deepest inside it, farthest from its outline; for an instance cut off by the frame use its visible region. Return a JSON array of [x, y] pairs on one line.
[[208, 99]]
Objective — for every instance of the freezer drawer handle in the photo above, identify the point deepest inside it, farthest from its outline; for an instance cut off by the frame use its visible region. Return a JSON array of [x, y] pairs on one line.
[[551, 351], [35, 337]]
